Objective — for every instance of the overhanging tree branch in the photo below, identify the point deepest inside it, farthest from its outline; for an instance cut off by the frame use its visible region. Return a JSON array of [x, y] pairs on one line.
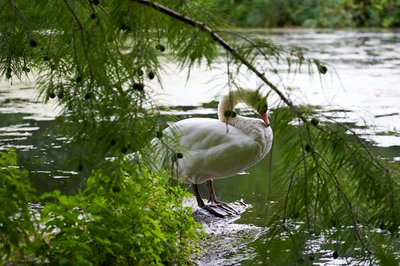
[[221, 41]]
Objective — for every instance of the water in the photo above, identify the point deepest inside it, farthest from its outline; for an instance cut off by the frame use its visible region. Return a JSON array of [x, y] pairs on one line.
[[361, 87], [30, 127], [363, 77]]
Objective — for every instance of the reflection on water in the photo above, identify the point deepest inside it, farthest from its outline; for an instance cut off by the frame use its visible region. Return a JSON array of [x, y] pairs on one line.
[[366, 95], [40, 150], [30, 128]]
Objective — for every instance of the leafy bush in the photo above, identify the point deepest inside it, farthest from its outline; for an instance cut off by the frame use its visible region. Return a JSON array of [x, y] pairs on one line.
[[16, 226], [137, 220]]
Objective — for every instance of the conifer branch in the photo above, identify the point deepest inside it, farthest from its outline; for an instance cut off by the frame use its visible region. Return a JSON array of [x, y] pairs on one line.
[[254, 45], [222, 42], [82, 32], [331, 173]]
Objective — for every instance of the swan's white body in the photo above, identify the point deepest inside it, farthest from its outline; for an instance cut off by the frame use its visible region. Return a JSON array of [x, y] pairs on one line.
[[213, 149]]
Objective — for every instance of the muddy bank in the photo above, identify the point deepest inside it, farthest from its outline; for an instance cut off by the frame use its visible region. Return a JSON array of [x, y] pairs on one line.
[[224, 237]]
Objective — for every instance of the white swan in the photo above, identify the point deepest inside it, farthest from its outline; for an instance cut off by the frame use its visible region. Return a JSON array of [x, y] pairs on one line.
[[203, 149]]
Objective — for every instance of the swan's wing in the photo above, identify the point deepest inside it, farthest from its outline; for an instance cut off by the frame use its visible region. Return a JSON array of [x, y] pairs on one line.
[[210, 148]]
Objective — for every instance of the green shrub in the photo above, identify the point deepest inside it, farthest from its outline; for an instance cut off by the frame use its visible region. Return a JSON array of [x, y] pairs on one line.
[[16, 227], [136, 220], [127, 217]]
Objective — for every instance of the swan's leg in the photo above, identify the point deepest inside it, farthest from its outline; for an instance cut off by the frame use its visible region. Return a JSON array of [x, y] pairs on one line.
[[201, 203], [213, 199]]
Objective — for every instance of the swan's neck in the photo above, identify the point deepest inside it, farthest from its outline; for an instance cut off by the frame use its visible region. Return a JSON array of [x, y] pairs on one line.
[[225, 109], [252, 127]]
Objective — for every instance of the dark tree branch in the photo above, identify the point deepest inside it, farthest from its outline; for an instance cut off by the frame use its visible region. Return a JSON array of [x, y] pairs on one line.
[[221, 41]]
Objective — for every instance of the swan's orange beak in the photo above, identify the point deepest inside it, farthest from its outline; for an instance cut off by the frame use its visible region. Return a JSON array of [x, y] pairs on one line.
[[264, 117]]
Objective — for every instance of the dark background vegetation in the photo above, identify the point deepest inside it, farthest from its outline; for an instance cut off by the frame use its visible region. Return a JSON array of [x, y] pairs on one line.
[[309, 13]]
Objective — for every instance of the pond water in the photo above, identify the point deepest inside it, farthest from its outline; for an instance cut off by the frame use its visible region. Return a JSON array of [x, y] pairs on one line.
[[363, 82]]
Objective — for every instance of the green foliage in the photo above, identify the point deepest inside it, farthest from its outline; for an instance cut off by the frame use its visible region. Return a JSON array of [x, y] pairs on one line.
[[130, 217], [16, 227], [334, 186], [135, 221], [310, 13], [100, 61]]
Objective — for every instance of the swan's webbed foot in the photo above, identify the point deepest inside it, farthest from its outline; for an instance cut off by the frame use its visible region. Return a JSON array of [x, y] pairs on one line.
[[215, 207], [216, 211], [224, 206], [220, 204]]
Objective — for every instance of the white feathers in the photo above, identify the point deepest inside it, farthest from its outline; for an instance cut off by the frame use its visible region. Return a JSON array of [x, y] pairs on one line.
[[200, 149]]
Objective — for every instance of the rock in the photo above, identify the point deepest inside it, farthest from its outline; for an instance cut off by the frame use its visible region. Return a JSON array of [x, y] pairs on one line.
[[223, 237]]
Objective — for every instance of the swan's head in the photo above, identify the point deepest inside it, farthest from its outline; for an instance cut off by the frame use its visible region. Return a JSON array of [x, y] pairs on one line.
[[254, 99]]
